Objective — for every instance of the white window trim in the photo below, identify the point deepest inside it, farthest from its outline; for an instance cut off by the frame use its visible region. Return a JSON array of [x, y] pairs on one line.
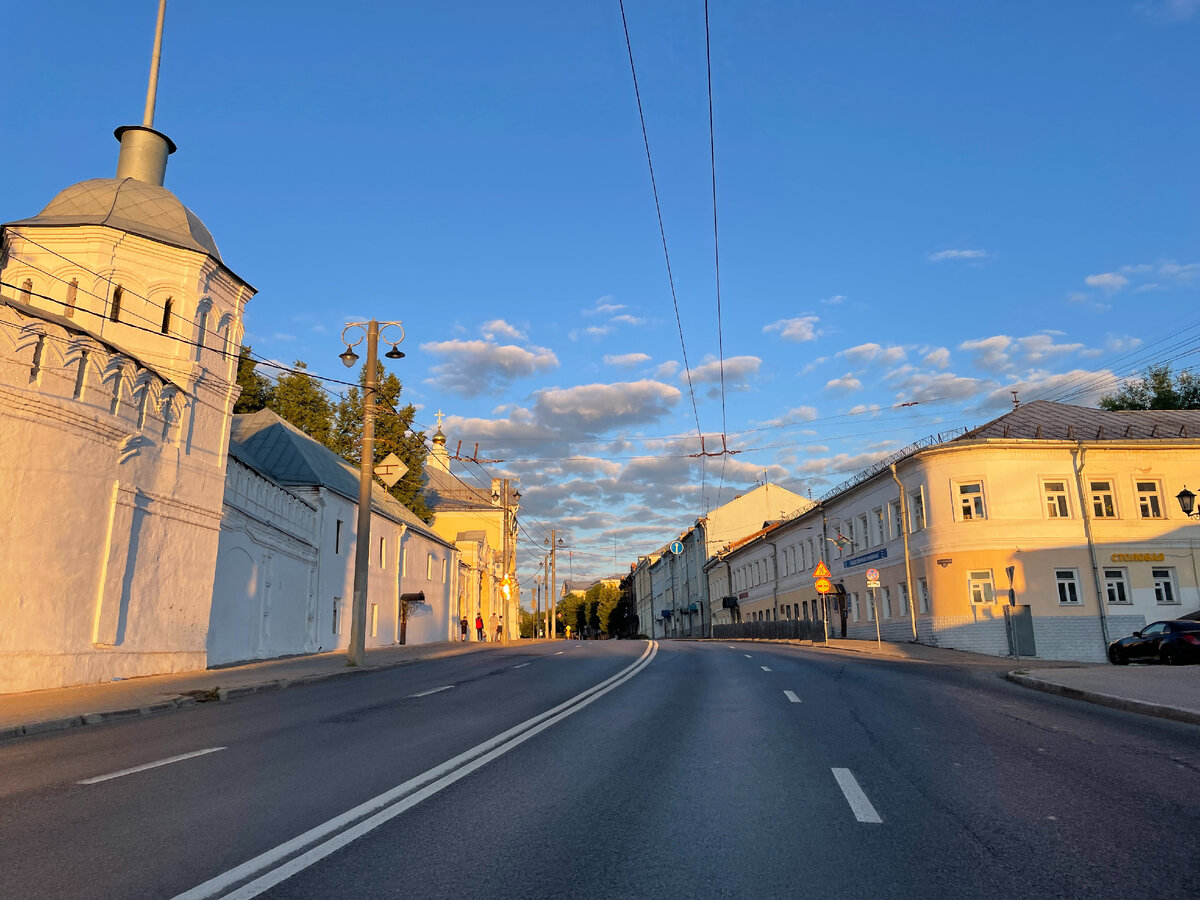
[[957, 485], [1066, 493], [1124, 578], [1172, 579], [1112, 487], [990, 581], [1137, 498], [1073, 579]]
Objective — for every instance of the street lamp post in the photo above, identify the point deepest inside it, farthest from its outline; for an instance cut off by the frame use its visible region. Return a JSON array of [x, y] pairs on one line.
[[356, 652]]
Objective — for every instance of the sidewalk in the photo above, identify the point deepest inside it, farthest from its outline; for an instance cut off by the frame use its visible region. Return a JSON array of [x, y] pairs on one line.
[[1167, 692], [35, 712]]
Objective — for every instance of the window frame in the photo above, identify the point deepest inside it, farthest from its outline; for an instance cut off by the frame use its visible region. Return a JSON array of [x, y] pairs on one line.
[[916, 502], [924, 599], [988, 580], [1094, 497], [1063, 495], [962, 499], [1068, 578], [1156, 496], [1167, 578], [1117, 575]]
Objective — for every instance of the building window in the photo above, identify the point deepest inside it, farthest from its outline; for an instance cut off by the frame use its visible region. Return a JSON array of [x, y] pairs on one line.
[[429, 567], [970, 501], [879, 536], [851, 546], [916, 510], [1055, 495], [1068, 586], [383, 553], [72, 289], [143, 407], [980, 587], [203, 332], [337, 615], [445, 572], [896, 518], [374, 620], [337, 537], [1164, 586], [26, 290], [1116, 586], [923, 593], [1104, 504], [902, 589], [166, 322], [1149, 504], [871, 607], [114, 309], [35, 370]]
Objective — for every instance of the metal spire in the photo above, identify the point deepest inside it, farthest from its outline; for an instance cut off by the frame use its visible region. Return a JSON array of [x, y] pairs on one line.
[[155, 58]]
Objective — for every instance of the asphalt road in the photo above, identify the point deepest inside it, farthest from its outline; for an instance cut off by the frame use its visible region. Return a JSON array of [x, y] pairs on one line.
[[695, 770]]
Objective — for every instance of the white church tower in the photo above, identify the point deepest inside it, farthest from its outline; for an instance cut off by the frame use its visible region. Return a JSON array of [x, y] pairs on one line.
[[120, 326]]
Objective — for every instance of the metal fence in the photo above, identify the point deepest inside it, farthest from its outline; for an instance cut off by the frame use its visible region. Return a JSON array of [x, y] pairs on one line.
[[781, 630]]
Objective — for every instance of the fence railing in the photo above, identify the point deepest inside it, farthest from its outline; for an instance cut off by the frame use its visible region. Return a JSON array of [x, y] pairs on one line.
[[781, 630]]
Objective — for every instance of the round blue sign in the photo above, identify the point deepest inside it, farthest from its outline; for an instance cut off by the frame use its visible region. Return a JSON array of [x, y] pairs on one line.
[[677, 547]]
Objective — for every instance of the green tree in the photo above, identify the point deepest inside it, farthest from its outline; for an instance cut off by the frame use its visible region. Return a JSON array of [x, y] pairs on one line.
[[299, 399], [1157, 389], [393, 433], [602, 600], [257, 390]]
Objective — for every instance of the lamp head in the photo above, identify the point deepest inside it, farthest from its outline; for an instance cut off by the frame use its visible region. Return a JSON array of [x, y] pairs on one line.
[[1187, 501], [395, 353], [349, 358]]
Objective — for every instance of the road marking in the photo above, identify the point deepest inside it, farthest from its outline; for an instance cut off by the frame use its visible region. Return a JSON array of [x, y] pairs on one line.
[[747, 655], [731, 647], [765, 668], [863, 810], [150, 765], [559, 653], [791, 696], [520, 665], [282, 862], [444, 687]]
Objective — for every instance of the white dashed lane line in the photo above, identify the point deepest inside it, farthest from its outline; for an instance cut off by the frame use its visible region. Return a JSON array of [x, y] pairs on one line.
[[559, 653], [520, 665], [149, 765], [444, 687], [765, 668], [747, 655], [791, 696], [859, 804]]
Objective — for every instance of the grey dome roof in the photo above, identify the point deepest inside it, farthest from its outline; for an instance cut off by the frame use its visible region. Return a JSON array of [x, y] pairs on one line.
[[128, 205]]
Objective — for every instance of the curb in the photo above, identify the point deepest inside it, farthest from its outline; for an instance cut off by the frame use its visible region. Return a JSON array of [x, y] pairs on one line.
[[217, 694], [1143, 707]]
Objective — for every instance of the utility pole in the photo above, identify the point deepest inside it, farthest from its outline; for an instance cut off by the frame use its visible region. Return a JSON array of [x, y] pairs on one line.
[[552, 598], [356, 652]]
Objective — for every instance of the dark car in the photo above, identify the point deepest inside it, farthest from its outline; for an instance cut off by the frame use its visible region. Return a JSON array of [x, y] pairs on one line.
[[1173, 642]]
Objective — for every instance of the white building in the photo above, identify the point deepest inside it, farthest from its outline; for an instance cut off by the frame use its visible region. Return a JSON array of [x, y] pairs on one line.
[[119, 326], [285, 569]]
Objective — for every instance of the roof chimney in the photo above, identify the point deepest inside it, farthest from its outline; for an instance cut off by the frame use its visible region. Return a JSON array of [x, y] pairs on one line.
[[144, 151]]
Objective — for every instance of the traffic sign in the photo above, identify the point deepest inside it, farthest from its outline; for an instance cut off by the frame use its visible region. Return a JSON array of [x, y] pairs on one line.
[[872, 584], [824, 586], [872, 574], [676, 547], [822, 570], [391, 470]]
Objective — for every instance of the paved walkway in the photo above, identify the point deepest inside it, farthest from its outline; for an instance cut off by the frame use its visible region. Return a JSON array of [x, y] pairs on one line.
[[1168, 692], [33, 712]]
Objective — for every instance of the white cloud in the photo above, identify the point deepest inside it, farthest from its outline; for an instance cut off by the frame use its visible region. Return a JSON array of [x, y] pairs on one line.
[[1169, 10], [478, 367], [604, 306], [736, 368], [498, 328], [990, 352], [865, 408], [794, 415], [628, 320], [592, 331], [942, 255], [874, 353], [1108, 281], [801, 328], [626, 360], [847, 384], [1036, 348], [666, 370], [835, 300], [923, 387], [938, 357], [597, 408]]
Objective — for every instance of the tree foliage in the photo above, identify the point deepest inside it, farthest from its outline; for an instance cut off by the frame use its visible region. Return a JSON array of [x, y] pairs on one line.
[[299, 399], [257, 389], [393, 434], [1157, 389]]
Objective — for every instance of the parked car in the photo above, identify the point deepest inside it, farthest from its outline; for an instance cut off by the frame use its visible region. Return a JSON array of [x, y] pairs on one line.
[[1172, 642]]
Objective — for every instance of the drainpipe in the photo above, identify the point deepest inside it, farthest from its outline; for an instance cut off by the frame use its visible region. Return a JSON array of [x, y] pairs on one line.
[[908, 582], [824, 542], [1077, 461]]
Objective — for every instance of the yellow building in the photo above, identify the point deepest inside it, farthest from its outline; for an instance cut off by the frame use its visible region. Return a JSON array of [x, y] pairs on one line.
[[1047, 532], [481, 520]]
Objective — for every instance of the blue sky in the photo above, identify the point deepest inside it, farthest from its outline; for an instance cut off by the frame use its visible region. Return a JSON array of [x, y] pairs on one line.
[[931, 201]]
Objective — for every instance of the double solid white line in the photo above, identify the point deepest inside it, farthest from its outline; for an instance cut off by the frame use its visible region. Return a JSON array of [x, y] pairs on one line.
[[280, 863]]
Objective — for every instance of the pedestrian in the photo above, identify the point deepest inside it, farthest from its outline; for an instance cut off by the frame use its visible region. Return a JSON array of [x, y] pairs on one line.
[[462, 626], [479, 627], [494, 627], [500, 631]]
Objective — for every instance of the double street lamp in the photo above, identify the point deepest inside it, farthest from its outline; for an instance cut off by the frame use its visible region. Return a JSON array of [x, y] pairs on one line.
[[371, 330]]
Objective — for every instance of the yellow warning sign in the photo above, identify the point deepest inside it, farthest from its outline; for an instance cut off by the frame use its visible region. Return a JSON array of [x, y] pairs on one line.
[[822, 570]]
